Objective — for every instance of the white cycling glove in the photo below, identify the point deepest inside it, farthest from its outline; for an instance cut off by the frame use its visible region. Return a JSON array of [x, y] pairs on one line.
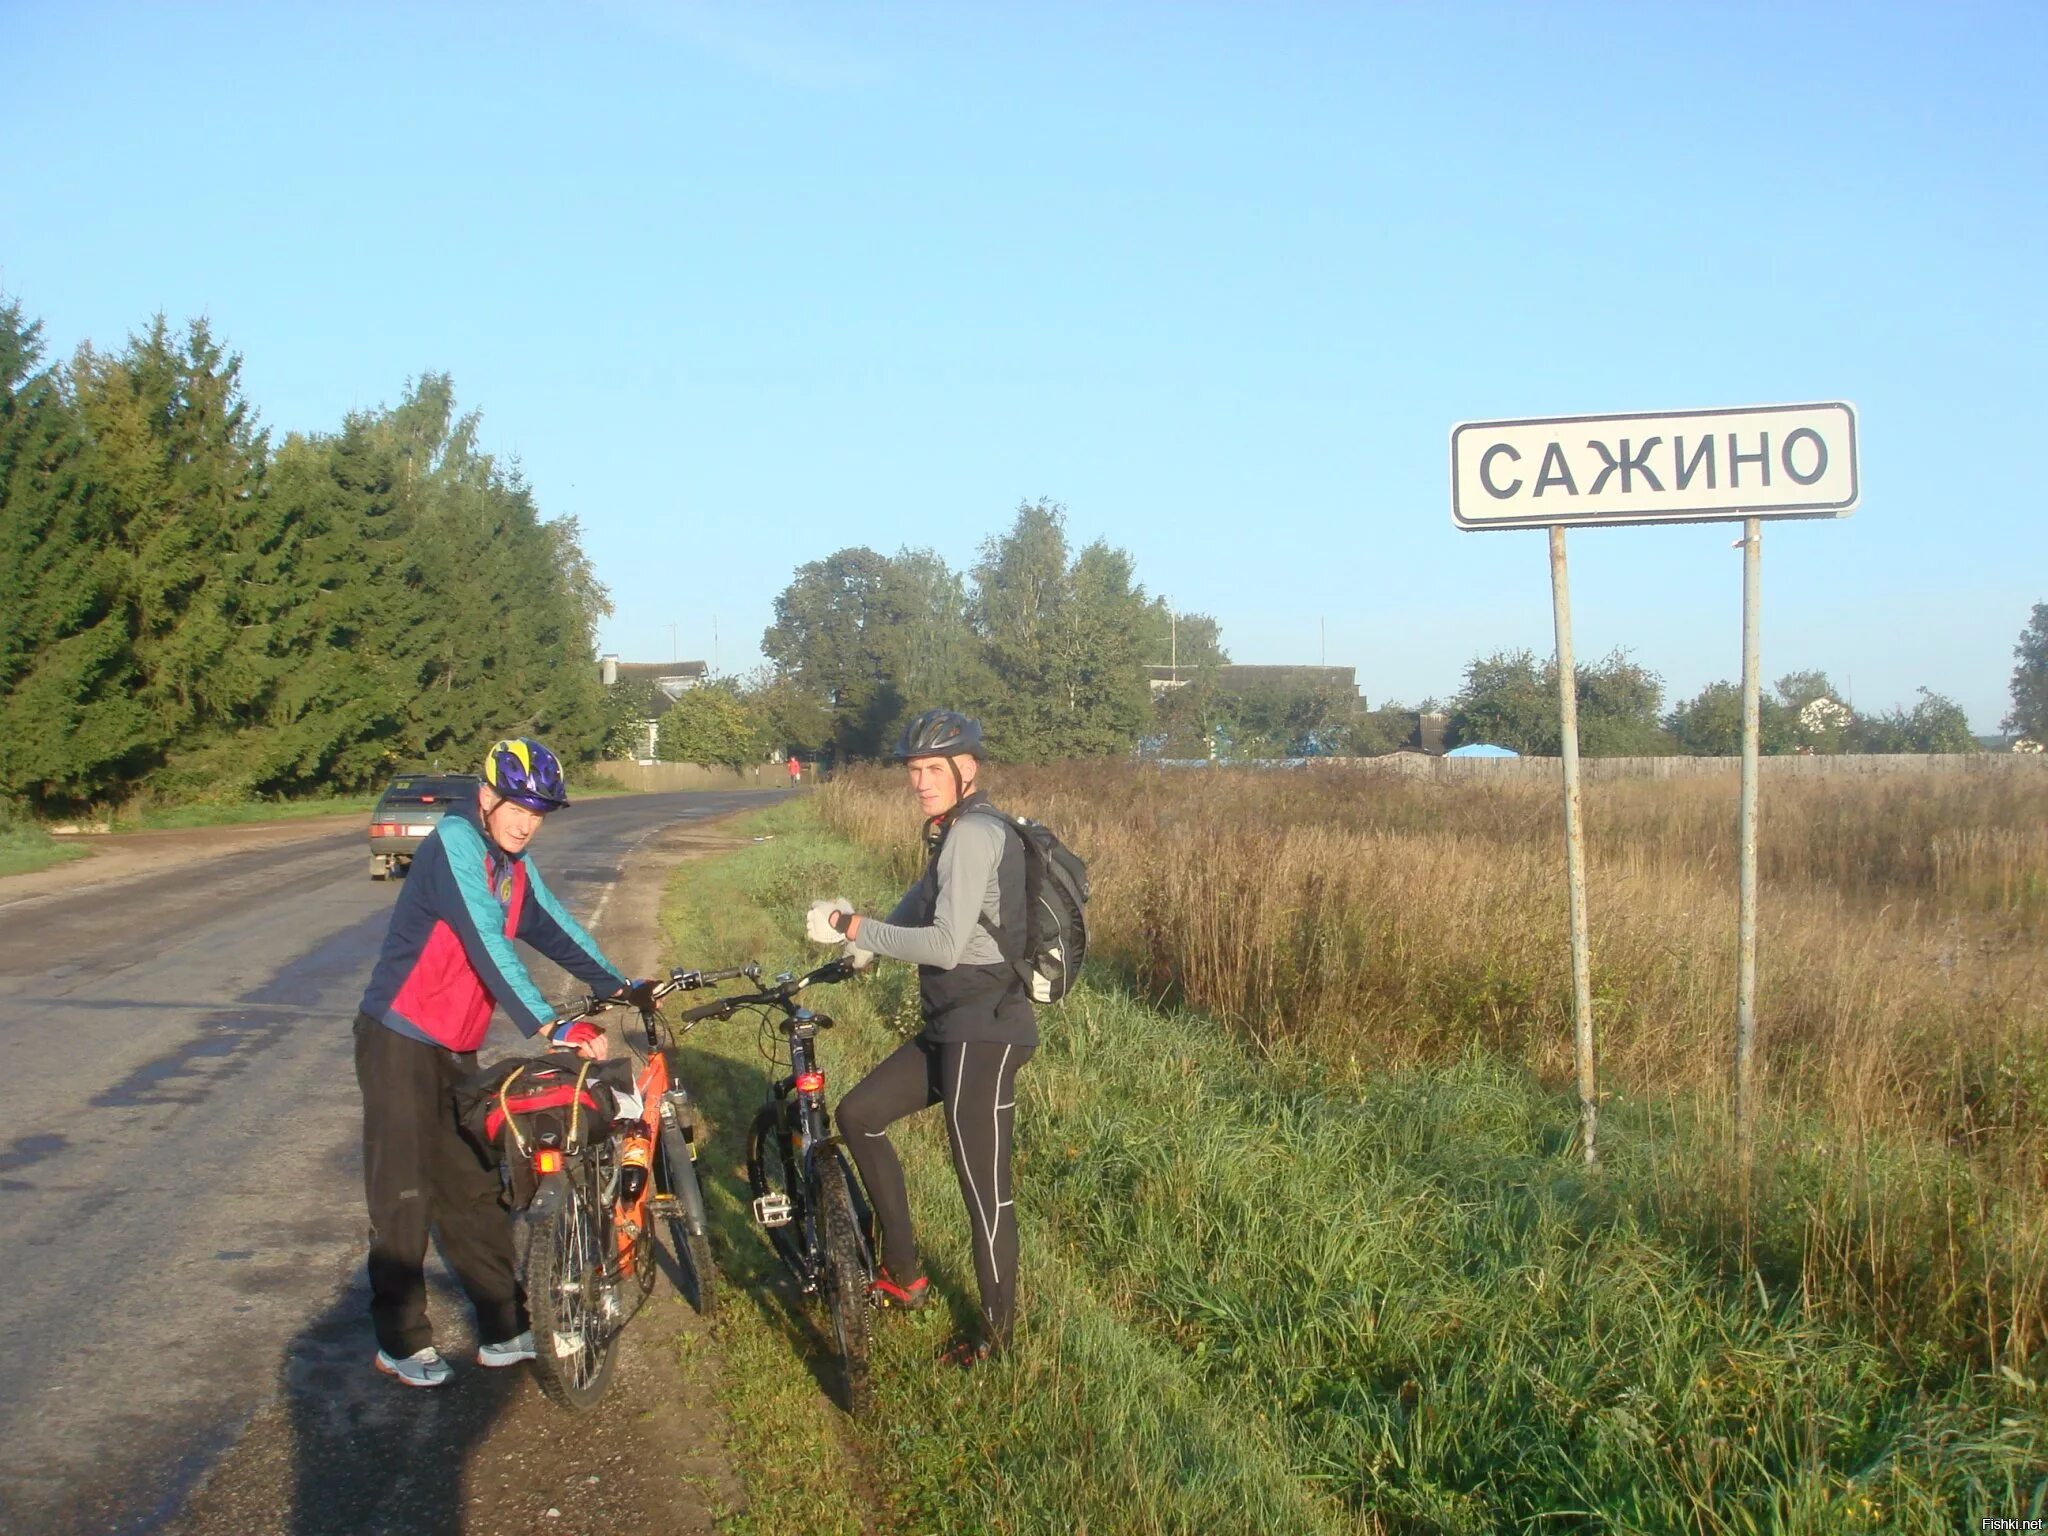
[[818, 922]]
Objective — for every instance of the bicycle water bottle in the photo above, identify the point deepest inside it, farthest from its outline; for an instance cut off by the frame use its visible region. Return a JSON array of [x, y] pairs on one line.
[[636, 1155]]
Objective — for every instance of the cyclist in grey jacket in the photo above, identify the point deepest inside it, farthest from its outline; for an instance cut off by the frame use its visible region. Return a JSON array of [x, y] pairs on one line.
[[960, 925]]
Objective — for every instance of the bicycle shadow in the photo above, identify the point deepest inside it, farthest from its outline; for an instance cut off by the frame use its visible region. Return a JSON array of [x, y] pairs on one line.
[[730, 1093]]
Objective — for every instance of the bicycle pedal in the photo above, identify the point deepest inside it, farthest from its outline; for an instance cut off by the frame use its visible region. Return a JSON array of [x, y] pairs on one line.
[[774, 1210]]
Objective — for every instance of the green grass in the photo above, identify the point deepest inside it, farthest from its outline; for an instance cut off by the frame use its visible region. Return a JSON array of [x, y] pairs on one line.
[[24, 849], [1252, 1303], [163, 817]]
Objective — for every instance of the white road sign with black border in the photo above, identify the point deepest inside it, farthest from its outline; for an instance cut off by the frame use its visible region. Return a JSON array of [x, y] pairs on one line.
[[1766, 461]]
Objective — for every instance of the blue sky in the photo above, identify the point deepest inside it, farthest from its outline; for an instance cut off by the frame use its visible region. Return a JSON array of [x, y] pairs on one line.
[[739, 285]]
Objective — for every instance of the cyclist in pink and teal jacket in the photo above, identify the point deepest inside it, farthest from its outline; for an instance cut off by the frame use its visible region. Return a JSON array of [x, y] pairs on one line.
[[447, 962]]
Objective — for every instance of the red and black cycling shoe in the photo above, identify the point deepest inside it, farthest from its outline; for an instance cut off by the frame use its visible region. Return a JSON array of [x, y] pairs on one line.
[[903, 1298], [968, 1351]]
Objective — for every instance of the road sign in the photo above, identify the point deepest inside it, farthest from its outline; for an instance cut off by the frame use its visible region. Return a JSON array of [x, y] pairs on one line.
[[1768, 461]]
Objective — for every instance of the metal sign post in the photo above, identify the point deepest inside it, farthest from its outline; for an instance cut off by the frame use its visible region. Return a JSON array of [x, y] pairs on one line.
[[1574, 847], [1745, 922], [1749, 462]]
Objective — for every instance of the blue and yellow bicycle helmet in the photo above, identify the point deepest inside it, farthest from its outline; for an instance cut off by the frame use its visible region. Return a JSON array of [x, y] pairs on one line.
[[523, 771]]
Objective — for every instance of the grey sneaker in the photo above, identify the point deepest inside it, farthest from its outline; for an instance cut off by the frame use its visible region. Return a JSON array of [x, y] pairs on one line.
[[507, 1352], [423, 1369]]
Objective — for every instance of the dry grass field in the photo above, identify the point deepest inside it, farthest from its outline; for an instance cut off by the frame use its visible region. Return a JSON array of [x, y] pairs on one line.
[[1368, 924]]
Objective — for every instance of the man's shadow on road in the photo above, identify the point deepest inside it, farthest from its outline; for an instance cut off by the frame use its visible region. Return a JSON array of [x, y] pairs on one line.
[[370, 1455]]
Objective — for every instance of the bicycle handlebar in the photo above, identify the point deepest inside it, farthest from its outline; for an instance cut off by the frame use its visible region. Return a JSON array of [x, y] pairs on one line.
[[781, 996], [678, 981], [690, 981]]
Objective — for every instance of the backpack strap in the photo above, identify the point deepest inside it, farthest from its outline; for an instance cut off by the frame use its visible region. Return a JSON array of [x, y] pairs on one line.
[[1016, 961]]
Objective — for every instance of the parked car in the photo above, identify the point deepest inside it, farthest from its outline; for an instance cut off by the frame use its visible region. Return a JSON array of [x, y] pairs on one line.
[[407, 813]]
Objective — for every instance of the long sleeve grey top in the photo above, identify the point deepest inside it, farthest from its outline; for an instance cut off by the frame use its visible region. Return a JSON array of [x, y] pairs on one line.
[[969, 863]]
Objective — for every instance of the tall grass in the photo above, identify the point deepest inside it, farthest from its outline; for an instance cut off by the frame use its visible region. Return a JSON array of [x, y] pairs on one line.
[[1378, 924], [1260, 1294]]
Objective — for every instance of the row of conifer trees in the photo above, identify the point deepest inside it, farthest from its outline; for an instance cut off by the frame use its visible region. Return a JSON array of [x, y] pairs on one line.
[[189, 610]]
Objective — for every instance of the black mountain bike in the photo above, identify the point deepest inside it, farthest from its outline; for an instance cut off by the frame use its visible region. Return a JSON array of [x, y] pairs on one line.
[[806, 1194]]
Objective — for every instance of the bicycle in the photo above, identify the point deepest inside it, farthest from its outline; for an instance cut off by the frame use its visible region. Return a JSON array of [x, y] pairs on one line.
[[588, 1253], [806, 1195]]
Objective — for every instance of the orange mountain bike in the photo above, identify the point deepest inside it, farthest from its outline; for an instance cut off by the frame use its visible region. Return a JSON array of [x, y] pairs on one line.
[[596, 1154]]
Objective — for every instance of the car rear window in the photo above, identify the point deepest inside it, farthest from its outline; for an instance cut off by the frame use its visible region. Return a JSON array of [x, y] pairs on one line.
[[427, 789]]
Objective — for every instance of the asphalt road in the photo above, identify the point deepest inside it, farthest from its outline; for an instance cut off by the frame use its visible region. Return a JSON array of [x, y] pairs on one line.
[[180, 1175]]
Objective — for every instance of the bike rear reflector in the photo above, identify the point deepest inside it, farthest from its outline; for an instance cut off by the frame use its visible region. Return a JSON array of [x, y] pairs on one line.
[[547, 1160], [811, 1082]]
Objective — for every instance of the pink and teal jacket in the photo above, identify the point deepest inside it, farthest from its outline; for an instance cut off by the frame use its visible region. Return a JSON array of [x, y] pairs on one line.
[[448, 958]]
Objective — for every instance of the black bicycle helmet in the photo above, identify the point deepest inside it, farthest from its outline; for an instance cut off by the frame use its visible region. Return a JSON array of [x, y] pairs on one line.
[[940, 733]]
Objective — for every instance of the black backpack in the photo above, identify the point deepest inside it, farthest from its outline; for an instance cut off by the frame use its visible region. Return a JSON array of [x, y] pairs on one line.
[[1055, 891]]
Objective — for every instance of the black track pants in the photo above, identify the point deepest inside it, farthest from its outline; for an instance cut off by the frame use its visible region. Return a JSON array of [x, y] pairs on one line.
[[977, 1082], [420, 1172]]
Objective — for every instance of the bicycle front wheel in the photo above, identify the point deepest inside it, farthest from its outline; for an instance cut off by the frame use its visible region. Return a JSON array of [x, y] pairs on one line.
[[846, 1282], [777, 1190], [574, 1328], [689, 1235]]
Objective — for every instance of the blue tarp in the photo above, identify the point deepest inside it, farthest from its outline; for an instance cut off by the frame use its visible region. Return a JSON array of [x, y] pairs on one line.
[[1481, 749]]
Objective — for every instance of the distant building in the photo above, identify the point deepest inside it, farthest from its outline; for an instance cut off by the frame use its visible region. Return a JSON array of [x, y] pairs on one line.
[[1232, 678], [1426, 733], [671, 679]]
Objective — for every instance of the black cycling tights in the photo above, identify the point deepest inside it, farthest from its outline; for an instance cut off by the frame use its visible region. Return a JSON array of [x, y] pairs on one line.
[[977, 1082]]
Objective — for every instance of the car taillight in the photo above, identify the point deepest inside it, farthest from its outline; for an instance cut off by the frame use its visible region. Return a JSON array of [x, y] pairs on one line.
[[385, 829], [811, 1082]]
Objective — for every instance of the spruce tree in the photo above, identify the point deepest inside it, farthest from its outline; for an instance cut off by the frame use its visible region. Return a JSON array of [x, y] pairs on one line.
[[178, 451], [75, 733]]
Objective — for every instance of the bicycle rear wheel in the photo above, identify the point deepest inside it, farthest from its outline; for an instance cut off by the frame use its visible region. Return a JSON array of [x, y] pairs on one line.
[[573, 1328], [847, 1282], [682, 1207]]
